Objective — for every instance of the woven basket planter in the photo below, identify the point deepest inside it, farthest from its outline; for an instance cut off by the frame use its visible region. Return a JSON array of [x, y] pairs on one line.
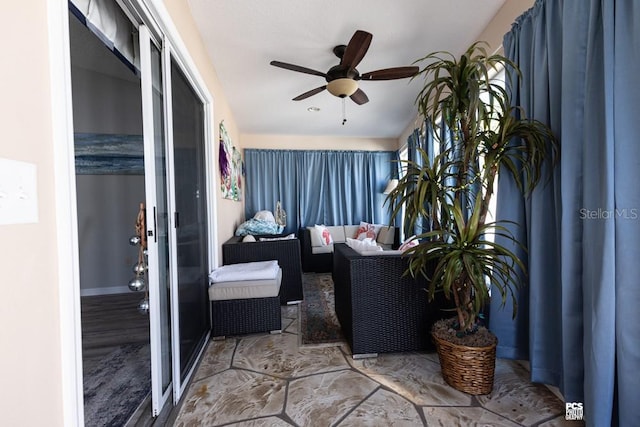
[[468, 369]]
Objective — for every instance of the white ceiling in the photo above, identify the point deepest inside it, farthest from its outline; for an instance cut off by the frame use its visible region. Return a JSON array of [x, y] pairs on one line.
[[242, 37]]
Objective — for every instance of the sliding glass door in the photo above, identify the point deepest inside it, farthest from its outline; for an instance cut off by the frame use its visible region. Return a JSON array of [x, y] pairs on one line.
[[175, 122], [177, 212], [157, 219], [189, 172], [177, 217]]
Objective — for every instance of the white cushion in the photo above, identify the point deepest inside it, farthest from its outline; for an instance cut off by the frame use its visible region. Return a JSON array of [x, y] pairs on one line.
[[409, 243], [257, 270], [369, 251], [323, 234], [350, 231], [386, 235], [383, 253], [248, 238], [366, 231], [337, 233], [315, 238], [322, 249], [245, 289]]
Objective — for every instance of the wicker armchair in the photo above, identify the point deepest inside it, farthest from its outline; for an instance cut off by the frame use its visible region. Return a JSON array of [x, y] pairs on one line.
[[381, 310], [319, 263], [286, 252]]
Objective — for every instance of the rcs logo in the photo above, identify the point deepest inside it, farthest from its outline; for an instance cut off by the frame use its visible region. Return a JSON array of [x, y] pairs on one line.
[[574, 411]]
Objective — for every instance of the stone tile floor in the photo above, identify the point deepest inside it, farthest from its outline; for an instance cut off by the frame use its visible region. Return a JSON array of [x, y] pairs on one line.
[[269, 380]]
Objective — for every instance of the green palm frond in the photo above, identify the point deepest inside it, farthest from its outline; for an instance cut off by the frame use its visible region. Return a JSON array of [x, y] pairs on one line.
[[452, 191]]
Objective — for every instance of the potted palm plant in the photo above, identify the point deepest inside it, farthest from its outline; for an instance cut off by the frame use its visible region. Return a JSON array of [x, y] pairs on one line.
[[447, 196]]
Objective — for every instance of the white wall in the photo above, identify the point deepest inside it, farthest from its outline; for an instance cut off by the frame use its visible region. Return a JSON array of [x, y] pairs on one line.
[[30, 360], [306, 142]]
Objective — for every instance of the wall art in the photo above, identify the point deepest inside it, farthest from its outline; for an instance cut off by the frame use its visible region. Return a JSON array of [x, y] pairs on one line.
[[108, 154], [231, 167]]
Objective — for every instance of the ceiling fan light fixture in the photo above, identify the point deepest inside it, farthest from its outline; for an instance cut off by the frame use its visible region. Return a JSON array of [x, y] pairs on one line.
[[342, 87]]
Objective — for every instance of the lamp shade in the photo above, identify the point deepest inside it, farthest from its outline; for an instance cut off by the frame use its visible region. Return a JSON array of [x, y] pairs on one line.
[[393, 183], [342, 87]]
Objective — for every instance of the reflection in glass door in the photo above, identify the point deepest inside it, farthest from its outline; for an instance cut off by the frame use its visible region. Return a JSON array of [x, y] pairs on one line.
[[157, 219], [190, 219]]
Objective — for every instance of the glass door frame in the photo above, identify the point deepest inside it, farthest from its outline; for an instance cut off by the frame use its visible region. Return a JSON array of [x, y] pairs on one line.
[[181, 58], [156, 18], [179, 385], [155, 15], [154, 283]]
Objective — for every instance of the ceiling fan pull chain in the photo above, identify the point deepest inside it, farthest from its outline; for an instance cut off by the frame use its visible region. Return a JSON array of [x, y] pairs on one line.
[[344, 112]]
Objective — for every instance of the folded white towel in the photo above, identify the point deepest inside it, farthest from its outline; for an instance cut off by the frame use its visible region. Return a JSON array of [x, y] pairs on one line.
[[261, 270]]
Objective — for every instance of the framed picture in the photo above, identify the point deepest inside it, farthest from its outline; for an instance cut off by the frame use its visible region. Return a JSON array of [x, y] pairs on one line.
[[231, 167], [108, 154]]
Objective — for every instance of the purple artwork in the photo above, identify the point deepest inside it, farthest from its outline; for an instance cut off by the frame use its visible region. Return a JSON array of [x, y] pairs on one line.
[[231, 167]]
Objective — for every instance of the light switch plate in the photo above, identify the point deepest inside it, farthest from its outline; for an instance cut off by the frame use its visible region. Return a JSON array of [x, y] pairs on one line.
[[18, 192]]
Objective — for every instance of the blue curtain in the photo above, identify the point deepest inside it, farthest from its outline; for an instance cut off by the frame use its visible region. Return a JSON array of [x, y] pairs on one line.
[[420, 140], [396, 166], [578, 322], [312, 180], [452, 143], [319, 187], [282, 182]]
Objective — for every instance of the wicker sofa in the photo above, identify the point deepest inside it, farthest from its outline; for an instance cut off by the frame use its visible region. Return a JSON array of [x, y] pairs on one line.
[[319, 259], [286, 252], [381, 310]]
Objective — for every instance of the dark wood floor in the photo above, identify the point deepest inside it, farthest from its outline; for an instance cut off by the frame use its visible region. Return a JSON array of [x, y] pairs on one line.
[[109, 321]]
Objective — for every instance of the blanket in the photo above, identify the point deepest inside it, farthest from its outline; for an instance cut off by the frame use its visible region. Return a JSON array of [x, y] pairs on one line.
[[258, 226], [261, 270]]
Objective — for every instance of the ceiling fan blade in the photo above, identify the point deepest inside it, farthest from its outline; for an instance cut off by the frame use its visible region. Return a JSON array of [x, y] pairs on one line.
[[359, 97], [297, 68], [356, 49], [309, 93], [391, 73]]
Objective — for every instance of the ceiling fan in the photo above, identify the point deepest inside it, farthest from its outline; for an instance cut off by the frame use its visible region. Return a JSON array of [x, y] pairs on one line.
[[342, 79]]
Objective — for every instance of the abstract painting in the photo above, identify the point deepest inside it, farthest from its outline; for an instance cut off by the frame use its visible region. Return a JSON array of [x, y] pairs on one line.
[[231, 167]]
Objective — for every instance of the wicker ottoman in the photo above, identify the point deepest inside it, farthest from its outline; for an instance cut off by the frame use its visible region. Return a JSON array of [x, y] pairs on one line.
[[245, 307]]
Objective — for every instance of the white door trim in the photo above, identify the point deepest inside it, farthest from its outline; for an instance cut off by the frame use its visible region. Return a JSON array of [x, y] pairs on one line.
[[66, 213]]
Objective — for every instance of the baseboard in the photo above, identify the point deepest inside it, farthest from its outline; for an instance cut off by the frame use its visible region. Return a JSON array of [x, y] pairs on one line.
[[90, 292]]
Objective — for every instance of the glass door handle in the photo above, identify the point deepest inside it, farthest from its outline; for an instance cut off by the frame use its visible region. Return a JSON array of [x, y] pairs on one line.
[[155, 225]]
